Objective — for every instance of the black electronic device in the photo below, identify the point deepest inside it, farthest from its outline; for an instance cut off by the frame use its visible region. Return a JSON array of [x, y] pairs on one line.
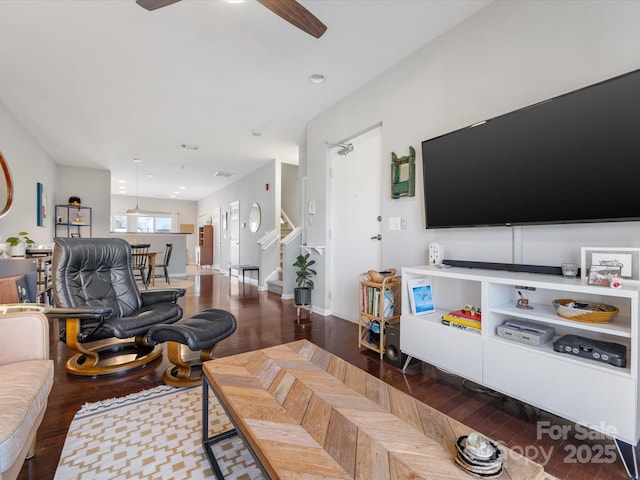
[[527, 166], [607, 352], [392, 353]]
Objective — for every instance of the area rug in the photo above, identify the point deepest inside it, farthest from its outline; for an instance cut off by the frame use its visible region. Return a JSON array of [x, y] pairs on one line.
[[153, 434]]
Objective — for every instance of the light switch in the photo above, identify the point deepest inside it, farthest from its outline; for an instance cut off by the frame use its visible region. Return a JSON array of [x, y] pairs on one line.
[[394, 223]]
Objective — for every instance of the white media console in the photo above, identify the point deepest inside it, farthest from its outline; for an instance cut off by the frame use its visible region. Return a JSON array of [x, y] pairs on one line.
[[589, 392]]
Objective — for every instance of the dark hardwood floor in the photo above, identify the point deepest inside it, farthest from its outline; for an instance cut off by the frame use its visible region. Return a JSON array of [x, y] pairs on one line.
[[264, 320]]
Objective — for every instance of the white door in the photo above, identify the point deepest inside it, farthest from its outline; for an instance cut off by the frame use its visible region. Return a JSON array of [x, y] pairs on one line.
[[234, 233], [356, 201]]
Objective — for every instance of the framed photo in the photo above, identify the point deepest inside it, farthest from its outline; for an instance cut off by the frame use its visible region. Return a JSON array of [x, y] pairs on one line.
[[41, 201], [604, 275], [628, 259], [420, 296]]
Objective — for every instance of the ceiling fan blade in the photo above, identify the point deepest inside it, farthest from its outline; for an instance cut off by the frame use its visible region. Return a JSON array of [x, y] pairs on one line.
[[155, 4], [297, 15]]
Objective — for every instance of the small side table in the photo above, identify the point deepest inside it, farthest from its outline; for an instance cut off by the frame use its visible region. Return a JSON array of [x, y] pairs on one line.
[[244, 269]]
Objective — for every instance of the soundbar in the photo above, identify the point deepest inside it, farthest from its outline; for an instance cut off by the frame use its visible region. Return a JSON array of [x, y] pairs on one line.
[[509, 267]]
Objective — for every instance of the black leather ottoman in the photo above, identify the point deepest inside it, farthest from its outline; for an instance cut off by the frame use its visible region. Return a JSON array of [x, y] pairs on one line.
[[200, 332]]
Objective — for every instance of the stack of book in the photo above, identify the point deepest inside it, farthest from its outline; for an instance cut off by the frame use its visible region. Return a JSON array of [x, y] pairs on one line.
[[463, 319]]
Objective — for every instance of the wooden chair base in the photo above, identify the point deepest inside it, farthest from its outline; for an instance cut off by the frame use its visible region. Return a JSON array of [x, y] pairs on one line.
[[112, 358], [184, 373], [107, 357]]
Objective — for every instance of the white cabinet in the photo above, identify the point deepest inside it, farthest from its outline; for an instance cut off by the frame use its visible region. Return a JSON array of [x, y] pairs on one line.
[[590, 392]]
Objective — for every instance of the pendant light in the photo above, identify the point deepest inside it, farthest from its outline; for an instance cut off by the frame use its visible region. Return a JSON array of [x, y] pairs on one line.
[[137, 211]]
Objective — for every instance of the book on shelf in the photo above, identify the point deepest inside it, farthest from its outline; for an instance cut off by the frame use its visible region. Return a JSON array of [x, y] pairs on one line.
[[370, 301], [460, 326], [461, 320], [470, 314]]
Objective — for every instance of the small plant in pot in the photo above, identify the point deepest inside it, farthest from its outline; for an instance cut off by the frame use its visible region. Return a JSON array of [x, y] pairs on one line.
[[19, 244], [304, 275]]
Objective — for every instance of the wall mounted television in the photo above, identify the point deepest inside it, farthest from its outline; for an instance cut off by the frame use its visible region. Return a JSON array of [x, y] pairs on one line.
[[573, 158]]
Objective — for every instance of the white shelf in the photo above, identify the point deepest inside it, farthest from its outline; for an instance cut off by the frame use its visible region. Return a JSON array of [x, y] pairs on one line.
[[548, 351], [589, 392], [619, 327]]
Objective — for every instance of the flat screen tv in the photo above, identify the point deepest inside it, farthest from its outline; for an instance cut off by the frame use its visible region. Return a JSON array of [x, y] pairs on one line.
[[573, 158]]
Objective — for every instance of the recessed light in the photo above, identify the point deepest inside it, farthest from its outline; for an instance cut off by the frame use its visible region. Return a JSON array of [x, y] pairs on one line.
[[182, 187], [222, 173], [149, 175], [122, 181], [317, 78]]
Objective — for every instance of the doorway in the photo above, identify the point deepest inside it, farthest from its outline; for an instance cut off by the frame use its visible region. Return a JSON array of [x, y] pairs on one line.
[[356, 204]]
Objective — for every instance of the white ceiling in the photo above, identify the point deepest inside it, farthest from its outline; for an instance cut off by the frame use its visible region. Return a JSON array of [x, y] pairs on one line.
[[101, 82]]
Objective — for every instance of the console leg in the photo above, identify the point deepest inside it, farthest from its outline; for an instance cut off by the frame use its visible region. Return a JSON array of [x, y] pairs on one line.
[[629, 458], [406, 363]]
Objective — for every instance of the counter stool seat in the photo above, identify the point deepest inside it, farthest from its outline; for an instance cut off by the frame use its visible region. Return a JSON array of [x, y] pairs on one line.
[[201, 332]]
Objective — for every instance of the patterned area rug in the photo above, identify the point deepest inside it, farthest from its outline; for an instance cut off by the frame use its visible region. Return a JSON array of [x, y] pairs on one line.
[[153, 434]]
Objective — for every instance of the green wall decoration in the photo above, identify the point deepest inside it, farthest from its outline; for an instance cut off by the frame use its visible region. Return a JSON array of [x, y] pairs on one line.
[[403, 175]]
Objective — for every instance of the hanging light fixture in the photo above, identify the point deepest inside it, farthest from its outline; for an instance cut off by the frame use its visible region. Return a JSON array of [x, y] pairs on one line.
[[137, 211]]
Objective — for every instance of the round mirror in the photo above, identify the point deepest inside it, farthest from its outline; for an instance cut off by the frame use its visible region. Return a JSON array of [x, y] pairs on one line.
[[6, 187], [254, 218]]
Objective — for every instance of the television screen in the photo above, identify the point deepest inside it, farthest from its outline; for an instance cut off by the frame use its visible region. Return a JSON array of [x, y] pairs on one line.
[[574, 158]]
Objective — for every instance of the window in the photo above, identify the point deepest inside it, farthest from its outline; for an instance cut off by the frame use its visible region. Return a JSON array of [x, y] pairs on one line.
[[120, 223], [160, 223]]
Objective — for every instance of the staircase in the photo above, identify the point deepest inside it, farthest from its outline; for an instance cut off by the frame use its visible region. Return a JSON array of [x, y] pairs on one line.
[[275, 286]]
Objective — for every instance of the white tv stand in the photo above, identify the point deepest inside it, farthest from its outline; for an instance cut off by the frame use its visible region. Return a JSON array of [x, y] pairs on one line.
[[591, 393]]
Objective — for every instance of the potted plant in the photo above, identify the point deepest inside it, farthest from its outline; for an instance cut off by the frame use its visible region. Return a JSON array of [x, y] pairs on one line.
[[19, 244], [304, 274]]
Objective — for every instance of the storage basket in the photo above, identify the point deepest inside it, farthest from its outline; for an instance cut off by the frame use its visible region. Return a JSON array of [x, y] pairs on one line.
[[585, 311]]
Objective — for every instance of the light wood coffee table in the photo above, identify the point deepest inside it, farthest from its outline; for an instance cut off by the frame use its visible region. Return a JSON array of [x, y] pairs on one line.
[[305, 413]]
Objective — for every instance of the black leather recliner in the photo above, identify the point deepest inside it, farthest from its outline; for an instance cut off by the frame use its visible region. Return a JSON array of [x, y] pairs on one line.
[[96, 298]]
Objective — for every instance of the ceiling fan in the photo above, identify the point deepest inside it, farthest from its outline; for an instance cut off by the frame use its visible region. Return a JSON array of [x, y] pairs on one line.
[[289, 10]]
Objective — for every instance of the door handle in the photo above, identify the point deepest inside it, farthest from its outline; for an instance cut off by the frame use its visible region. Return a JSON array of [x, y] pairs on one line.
[[376, 237]]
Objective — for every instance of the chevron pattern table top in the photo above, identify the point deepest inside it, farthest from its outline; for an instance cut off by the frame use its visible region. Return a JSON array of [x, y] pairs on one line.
[[309, 414]]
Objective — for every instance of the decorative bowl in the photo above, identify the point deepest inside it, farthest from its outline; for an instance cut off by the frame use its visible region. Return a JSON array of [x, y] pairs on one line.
[[378, 277], [582, 311]]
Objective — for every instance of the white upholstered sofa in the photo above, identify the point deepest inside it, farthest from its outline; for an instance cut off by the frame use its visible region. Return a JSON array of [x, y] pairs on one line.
[[26, 378]]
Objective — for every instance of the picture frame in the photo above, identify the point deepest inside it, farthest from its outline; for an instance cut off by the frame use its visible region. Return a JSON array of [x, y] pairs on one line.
[[41, 202], [604, 275], [420, 296], [627, 258]]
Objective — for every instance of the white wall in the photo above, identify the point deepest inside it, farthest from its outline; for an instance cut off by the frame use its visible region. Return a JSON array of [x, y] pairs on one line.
[[94, 189], [28, 164], [507, 56], [290, 192], [247, 190]]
